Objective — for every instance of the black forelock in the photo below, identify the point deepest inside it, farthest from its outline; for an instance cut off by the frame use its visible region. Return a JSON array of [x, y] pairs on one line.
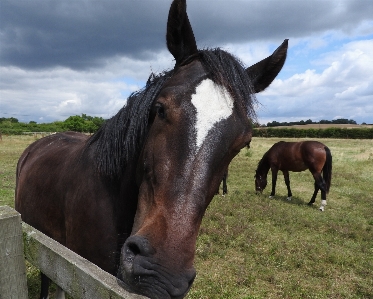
[[227, 70]]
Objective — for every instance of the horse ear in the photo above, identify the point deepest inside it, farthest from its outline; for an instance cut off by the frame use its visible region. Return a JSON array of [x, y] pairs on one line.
[[264, 72], [180, 38]]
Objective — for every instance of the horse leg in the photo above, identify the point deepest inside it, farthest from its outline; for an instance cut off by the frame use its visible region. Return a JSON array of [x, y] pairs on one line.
[[323, 196], [274, 179], [225, 188], [217, 191], [319, 184], [287, 182], [44, 289], [60, 293], [224, 181], [314, 194]]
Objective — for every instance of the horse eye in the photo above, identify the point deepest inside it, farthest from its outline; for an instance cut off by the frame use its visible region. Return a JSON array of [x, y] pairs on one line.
[[160, 110]]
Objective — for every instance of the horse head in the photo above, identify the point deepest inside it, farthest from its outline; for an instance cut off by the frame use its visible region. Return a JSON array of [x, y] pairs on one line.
[[198, 122], [260, 182]]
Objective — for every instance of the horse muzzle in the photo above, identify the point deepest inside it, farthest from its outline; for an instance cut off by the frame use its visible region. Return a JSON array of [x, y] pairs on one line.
[[144, 274]]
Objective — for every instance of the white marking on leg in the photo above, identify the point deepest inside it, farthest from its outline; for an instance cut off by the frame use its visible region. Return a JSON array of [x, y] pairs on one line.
[[323, 204], [213, 104], [289, 198]]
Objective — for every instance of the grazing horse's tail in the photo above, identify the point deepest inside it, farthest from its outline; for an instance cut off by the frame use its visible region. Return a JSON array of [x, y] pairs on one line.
[[327, 169]]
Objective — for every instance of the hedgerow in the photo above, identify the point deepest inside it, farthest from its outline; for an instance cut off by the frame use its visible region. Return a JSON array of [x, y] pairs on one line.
[[340, 133]]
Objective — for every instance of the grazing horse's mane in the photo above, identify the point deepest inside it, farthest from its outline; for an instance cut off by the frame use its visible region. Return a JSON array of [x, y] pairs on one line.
[[263, 164], [119, 140]]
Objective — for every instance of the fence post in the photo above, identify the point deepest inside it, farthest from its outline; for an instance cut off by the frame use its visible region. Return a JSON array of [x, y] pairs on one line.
[[13, 282]]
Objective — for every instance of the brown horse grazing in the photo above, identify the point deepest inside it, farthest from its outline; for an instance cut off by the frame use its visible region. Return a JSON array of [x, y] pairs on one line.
[[131, 197], [297, 156]]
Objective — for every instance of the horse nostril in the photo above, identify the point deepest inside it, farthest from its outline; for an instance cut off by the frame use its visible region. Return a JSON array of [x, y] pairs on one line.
[[133, 248], [137, 245]]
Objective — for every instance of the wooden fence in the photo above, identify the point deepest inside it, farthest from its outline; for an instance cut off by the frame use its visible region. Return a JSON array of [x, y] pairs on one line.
[[35, 134], [74, 274]]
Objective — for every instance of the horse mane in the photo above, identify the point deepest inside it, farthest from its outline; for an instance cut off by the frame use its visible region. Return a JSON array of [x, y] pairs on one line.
[[263, 164], [120, 139]]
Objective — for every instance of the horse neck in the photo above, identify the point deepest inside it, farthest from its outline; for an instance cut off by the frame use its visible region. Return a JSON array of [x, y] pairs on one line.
[[263, 166]]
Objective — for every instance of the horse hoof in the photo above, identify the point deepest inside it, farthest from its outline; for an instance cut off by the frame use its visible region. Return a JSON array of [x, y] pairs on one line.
[[289, 198], [322, 209], [270, 196]]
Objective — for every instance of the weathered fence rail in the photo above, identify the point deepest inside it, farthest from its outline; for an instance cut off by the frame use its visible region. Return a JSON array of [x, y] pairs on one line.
[[74, 274], [35, 134]]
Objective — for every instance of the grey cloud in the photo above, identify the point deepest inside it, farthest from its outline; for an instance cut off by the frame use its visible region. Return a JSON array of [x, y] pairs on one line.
[[66, 57], [77, 34], [84, 34]]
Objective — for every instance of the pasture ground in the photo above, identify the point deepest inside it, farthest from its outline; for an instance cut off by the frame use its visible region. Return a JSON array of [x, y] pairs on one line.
[[250, 246]]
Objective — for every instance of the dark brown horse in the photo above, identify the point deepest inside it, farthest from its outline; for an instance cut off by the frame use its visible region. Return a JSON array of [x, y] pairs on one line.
[[297, 156], [131, 197]]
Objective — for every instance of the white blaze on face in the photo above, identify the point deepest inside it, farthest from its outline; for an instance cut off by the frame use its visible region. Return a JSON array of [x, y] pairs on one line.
[[213, 104]]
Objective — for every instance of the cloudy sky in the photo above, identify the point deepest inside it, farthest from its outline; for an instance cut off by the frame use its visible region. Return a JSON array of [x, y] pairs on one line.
[[67, 57]]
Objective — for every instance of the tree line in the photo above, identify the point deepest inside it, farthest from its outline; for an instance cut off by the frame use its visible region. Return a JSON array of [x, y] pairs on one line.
[[78, 123], [90, 124], [308, 122]]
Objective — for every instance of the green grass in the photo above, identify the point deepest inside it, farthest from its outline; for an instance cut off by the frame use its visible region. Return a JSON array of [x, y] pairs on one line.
[[250, 246], [11, 148]]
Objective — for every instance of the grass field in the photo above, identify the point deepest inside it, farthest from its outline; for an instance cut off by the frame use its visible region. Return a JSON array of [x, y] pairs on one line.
[[251, 246]]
